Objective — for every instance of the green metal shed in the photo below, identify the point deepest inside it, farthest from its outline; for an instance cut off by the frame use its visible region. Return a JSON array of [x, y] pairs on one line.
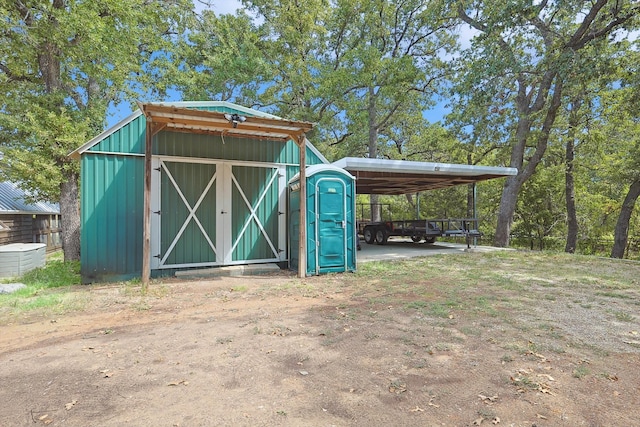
[[217, 190], [330, 220]]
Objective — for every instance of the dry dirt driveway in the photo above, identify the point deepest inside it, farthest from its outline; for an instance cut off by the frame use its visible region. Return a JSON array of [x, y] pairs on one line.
[[280, 351]]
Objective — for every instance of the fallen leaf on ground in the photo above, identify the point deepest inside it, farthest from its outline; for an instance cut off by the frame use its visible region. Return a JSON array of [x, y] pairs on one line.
[[488, 399], [547, 376], [417, 409], [478, 421], [496, 421], [70, 404], [542, 417], [430, 403], [175, 383], [397, 388], [106, 373], [43, 417], [545, 390]]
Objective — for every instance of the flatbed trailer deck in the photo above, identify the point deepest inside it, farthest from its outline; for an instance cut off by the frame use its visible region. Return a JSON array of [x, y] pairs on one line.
[[419, 230]]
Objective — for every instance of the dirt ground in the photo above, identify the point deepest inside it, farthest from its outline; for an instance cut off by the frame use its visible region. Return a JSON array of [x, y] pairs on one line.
[[281, 351]]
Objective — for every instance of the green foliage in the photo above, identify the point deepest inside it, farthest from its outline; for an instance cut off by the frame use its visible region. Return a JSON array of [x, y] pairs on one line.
[[62, 63], [55, 274], [37, 294]]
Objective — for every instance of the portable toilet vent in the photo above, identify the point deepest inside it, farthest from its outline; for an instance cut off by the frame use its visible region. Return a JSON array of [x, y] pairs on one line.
[[331, 224]]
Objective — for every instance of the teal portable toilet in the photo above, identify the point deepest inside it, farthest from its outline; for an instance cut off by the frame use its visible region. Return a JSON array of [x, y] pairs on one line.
[[331, 222]]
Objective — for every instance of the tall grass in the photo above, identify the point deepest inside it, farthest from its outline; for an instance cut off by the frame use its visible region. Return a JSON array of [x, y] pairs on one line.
[[36, 295]]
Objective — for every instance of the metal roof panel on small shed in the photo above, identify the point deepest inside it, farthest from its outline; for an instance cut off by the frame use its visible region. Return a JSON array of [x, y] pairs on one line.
[[382, 176], [12, 200]]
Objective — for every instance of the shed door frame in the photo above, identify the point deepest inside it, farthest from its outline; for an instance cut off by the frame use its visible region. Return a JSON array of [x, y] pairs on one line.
[[223, 182]]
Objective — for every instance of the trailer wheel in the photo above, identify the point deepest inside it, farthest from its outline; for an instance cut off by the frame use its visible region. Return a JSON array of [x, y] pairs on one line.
[[416, 238], [381, 236], [368, 235], [430, 240]]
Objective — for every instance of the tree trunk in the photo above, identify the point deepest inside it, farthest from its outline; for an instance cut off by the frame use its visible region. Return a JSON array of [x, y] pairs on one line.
[[570, 195], [513, 184], [622, 226], [507, 209], [70, 218], [569, 187], [373, 149]]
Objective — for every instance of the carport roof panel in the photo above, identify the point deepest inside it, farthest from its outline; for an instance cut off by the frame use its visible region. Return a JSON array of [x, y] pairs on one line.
[[380, 176]]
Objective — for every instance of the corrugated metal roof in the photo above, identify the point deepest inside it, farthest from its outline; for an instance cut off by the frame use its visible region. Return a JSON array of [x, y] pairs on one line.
[[205, 105], [12, 200], [382, 176]]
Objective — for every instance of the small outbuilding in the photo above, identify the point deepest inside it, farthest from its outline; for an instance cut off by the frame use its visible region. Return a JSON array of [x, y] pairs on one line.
[[331, 222], [188, 185], [25, 222]]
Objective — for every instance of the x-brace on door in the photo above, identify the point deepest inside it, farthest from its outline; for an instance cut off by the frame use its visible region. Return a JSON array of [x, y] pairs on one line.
[[208, 213]]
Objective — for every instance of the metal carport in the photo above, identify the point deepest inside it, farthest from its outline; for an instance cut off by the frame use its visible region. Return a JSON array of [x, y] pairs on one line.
[[393, 177]]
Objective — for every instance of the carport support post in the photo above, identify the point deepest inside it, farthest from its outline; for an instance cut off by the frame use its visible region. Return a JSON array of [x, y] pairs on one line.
[[302, 237], [146, 221]]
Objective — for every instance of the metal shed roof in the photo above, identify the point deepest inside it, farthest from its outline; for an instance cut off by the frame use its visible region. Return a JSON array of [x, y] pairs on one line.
[[199, 121], [12, 201], [188, 116], [381, 176]]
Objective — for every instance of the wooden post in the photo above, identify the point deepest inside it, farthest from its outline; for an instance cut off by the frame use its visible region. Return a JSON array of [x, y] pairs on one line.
[[146, 221], [302, 254]]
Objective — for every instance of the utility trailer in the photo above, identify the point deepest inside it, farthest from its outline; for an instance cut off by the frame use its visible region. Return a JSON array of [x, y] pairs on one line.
[[419, 230]]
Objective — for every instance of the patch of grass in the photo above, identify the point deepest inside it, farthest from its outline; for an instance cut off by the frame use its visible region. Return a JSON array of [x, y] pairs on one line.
[[417, 305], [471, 331], [42, 301], [437, 309], [506, 358], [612, 294], [44, 288], [623, 317], [580, 372], [55, 274]]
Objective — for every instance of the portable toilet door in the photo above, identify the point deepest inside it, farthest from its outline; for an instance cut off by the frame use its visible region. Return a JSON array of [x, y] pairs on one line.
[[331, 224], [330, 228]]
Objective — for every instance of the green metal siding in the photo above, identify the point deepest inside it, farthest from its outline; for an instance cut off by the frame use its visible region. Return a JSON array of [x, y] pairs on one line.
[[229, 148], [111, 212], [112, 196], [128, 139]]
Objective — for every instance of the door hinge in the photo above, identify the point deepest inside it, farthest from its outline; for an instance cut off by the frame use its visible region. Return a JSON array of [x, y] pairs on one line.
[[159, 169], [280, 213], [158, 212], [157, 256]]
